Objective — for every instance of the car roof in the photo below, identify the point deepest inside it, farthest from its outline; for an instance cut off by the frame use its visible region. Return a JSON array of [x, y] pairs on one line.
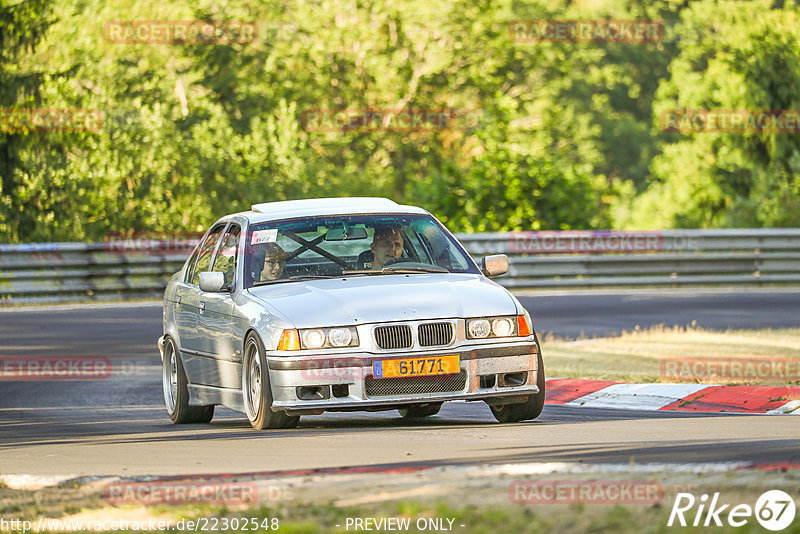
[[288, 209]]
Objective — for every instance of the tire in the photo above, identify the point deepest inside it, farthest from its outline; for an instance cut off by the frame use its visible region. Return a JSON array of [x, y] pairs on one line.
[[530, 409], [420, 410], [176, 392], [256, 390]]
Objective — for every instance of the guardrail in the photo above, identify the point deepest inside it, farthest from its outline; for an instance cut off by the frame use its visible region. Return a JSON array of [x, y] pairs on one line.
[[58, 272], [669, 258], [61, 272]]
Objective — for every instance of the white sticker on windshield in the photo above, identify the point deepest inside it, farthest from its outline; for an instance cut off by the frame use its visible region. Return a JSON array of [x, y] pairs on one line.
[[264, 236]]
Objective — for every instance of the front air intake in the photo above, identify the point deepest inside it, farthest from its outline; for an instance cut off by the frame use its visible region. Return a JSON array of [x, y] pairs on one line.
[[379, 387]]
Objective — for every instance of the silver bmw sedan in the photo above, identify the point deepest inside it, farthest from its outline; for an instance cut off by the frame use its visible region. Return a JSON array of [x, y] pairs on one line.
[[342, 304]]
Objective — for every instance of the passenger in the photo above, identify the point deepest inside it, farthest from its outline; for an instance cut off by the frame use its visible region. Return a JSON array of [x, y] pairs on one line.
[[274, 262], [387, 245]]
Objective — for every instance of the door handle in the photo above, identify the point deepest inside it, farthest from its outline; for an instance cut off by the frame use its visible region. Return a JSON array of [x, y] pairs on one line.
[[178, 299], [202, 305]]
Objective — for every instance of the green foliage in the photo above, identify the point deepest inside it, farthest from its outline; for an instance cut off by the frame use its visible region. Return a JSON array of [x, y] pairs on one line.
[[746, 57], [22, 26], [547, 135]]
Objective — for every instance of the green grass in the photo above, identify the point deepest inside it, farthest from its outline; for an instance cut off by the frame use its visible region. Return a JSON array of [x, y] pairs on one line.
[[637, 356], [299, 518], [575, 518]]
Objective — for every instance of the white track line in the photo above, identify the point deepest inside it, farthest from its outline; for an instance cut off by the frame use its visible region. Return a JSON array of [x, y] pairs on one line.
[[791, 407], [637, 396]]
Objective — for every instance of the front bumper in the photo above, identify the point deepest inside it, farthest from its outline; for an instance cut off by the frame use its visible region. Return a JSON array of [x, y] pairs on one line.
[[489, 371]]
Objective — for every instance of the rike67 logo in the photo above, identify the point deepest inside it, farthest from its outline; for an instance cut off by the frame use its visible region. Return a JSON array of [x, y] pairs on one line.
[[774, 510]]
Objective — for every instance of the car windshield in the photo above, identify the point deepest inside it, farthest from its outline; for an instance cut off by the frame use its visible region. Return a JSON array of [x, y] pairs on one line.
[[352, 245]]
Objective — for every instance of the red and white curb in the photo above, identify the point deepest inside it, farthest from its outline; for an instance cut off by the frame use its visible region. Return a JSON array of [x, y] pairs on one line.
[[773, 400]]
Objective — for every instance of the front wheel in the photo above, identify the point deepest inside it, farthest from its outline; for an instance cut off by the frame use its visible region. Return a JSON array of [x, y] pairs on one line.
[[530, 409], [256, 389], [176, 391]]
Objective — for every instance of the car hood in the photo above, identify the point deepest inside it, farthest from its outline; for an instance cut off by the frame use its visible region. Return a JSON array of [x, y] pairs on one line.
[[385, 298]]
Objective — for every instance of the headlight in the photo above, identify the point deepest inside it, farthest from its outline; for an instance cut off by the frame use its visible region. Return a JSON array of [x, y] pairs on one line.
[[337, 337], [478, 328], [313, 339], [502, 327], [485, 327], [340, 337]]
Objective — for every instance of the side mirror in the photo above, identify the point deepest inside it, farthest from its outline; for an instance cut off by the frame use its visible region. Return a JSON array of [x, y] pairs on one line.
[[494, 265], [212, 282]]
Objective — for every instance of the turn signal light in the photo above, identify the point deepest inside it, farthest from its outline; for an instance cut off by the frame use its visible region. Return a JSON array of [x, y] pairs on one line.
[[523, 327], [290, 340]]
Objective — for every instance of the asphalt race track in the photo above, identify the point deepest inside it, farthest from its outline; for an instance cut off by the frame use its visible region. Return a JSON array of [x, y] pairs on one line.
[[603, 313], [118, 426]]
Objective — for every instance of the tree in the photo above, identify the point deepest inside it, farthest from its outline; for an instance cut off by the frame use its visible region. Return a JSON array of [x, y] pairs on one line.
[[22, 26], [746, 57]]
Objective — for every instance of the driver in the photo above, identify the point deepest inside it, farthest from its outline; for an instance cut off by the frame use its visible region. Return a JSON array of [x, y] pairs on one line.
[[387, 245]]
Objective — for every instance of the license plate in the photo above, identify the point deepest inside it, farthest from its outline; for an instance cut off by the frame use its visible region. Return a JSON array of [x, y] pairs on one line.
[[422, 366]]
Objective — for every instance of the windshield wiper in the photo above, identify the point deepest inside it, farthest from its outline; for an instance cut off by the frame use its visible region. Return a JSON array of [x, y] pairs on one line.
[[396, 270], [415, 269], [362, 271], [291, 279]]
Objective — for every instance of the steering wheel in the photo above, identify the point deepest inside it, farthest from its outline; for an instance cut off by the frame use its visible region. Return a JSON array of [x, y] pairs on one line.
[[396, 260]]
